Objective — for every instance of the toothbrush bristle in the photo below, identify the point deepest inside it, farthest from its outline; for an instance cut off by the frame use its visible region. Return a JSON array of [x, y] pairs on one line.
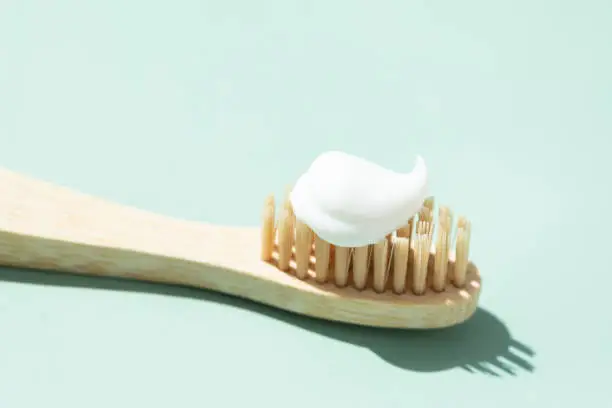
[[401, 253], [303, 244], [441, 252], [461, 251], [341, 265], [361, 266], [421, 258], [380, 265], [285, 239], [409, 261], [267, 230], [322, 250]]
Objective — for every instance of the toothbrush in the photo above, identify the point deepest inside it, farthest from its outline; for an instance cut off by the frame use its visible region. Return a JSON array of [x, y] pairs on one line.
[[406, 280]]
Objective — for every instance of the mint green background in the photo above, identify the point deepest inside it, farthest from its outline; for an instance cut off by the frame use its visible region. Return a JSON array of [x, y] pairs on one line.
[[198, 109]]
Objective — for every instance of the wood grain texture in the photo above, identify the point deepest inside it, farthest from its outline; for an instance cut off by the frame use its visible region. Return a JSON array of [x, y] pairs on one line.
[[45, 226]]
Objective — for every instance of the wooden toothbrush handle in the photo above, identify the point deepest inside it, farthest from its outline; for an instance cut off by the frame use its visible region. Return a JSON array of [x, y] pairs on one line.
[[45, 226]]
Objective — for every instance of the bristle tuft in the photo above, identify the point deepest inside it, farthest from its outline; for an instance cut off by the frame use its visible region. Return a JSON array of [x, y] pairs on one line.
[[285, 239], [267, 230], [361, 266], [401, 252], [341, 265], [303, 242], [442, 248], [462, 248], [322, 258], [421, 258], [380, 265]]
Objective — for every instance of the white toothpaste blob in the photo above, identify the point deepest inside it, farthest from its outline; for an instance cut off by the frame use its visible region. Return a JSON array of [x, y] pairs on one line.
[[351, 202]]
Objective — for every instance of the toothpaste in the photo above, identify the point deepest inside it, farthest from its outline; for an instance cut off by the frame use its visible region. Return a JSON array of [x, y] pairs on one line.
[[351, 202]]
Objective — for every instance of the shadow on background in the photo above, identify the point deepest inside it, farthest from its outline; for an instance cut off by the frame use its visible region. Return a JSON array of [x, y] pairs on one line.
[[483, 344]]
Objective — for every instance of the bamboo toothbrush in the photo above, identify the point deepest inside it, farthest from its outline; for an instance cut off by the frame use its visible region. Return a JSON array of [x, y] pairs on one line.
[[418, 277]]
